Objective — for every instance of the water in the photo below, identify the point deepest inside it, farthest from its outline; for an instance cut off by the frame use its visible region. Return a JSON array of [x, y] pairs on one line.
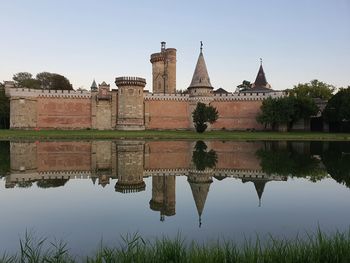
[[86, 191]]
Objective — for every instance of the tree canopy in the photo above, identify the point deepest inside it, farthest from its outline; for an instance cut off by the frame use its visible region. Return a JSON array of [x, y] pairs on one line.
[[202, 158], [244, 86], [338, 107], [286, 110], [313, 89], [4, 109], [203, 114], [43, 80]]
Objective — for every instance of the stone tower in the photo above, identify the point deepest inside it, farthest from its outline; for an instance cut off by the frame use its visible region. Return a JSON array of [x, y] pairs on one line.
[[200, 85], [164, 70], [130, 103]]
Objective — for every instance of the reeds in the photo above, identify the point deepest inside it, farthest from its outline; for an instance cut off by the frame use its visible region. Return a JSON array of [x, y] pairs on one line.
[[317, 247]]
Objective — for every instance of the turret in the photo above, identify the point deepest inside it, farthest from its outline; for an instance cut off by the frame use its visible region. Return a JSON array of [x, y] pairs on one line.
[[164, 70], [200, 85], [130, 103], [260, 82]]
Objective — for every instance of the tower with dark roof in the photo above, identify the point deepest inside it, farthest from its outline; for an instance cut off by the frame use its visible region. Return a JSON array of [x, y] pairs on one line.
[[260, 83], [94, 86], [200, 85]]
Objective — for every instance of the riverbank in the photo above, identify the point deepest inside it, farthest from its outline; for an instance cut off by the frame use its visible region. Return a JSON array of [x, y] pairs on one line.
[[315, 248], [169, 135]]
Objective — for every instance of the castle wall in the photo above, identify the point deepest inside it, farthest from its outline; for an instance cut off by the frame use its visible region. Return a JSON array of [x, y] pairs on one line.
[[63, 113], [167, 114], [237, 115]]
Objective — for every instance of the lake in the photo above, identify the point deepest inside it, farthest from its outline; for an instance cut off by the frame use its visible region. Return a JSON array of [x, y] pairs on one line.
[[87, 192]]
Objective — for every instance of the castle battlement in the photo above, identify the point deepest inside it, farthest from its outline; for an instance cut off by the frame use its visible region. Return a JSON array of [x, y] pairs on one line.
[[25, 92], [248, 96], [159, 96], [130, 81]]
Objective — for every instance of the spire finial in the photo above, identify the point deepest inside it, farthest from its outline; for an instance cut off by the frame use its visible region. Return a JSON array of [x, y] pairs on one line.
[[260, 61], [200, 221], [201, 46]]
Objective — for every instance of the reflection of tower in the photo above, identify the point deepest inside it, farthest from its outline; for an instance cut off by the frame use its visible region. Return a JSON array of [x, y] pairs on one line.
[[164, 70], [200, 182], [163, 195], [130, 167], [259, 184]]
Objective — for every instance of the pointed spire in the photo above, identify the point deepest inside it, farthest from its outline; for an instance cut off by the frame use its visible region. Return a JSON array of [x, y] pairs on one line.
[[200, 77], [94, 85], [260, 81]]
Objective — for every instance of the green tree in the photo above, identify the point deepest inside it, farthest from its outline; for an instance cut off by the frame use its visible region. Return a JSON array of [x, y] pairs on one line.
[[285, 111], [4, 158], [4, 109], [314, 89], [43, 80], [244, 86], [25, 80], [338, 107], [203, 114]]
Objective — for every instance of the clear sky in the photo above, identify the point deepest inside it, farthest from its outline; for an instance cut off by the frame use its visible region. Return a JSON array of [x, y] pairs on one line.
[[299, 40]]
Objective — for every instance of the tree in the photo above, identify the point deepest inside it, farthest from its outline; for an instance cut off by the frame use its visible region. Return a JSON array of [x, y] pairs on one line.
[[203, 114], [314, 89], [25, 80], [4, 109], [43, 80], [285, 111], [338, 109], [244, 86]]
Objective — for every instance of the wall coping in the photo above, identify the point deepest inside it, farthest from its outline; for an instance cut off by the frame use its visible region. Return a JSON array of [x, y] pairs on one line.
[[25, 92]]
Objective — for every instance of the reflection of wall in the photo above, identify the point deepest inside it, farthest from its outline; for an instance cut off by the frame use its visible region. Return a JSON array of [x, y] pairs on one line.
[[168, 154], [64, 156]]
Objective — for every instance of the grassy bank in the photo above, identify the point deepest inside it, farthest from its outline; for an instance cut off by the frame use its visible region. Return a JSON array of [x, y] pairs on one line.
[[154, 135], [316, 248]]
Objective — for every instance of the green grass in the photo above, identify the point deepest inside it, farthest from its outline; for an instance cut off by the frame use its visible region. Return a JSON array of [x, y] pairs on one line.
[[181, 135], [315, 248]]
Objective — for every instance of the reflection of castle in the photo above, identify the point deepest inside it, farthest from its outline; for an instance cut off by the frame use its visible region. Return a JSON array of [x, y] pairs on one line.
[[131, 161]]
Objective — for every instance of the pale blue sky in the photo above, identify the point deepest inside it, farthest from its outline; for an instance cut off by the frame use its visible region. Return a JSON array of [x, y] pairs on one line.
[[298, 40]]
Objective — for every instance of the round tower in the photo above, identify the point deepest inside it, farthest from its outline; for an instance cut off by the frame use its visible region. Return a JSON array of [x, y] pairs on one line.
[[164, 70], [130, 103]]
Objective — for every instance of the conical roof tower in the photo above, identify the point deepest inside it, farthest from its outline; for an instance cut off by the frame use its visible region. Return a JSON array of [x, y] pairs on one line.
[[93, 86], [200, 84], [260, 83]]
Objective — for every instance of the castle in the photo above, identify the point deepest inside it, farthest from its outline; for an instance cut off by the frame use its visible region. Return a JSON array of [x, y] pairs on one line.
[[130, 107]]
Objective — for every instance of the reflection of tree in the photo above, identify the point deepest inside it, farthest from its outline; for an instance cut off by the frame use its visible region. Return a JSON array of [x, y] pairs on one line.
[[337, 161], [287, 161], [4, 158], [202, 158], [51, 183], [25, 184]]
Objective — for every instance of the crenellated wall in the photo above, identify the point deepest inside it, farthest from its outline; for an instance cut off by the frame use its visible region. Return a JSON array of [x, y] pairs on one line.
[[129, 109]]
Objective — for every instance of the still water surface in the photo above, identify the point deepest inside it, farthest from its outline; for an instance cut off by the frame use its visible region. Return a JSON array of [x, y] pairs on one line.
[[87, 191]]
